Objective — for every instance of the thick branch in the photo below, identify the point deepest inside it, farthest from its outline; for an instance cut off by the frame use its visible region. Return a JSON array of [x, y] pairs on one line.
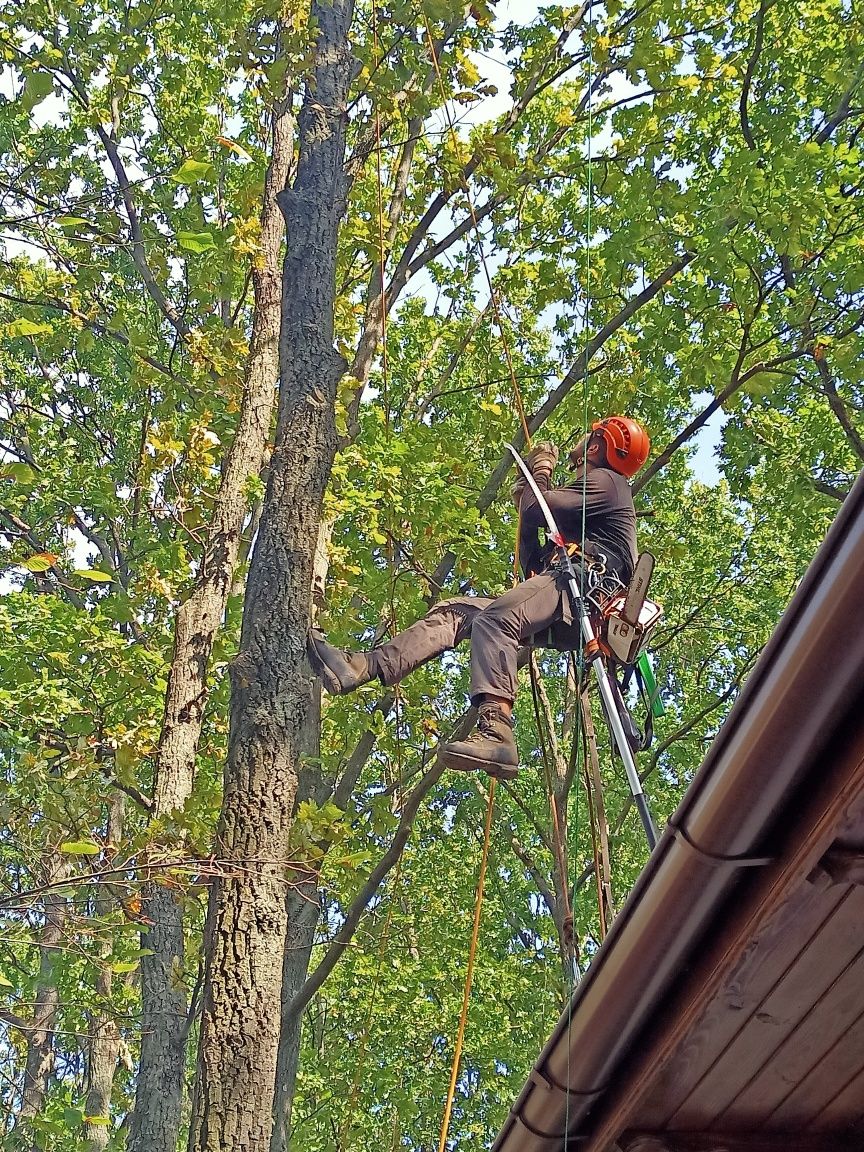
[[735, 383], [838, 407], [748, 75], [844, 108], [366, 893]]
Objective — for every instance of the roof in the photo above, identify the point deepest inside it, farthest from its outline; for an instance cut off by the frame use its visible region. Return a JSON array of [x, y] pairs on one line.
[[725, 1009]]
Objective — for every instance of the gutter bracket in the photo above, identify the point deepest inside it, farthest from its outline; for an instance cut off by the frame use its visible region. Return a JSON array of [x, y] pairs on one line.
[[745, 861]]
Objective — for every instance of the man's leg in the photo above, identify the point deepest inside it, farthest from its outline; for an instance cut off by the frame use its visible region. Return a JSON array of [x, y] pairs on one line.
[[499, 630], [442, 628], [496, 634]]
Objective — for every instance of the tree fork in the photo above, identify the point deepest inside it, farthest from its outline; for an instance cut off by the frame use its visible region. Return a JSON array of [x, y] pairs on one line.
[[271, 684]]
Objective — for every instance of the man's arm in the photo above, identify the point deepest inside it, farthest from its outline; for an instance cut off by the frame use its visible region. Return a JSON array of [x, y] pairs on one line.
[[541, 461]]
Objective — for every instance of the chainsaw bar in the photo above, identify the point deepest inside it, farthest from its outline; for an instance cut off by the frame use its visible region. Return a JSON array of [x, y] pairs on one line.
[[637, 589]]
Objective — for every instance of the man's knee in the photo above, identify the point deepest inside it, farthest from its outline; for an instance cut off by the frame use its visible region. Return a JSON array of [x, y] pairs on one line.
[[460, 612]]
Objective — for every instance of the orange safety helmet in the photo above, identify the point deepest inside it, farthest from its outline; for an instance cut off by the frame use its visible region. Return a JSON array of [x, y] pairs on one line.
[[627, 444]]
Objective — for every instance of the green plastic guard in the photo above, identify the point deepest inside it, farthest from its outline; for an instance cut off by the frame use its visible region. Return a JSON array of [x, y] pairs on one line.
[[644, 664]]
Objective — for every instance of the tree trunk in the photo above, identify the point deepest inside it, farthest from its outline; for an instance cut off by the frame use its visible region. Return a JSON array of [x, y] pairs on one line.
[[39, 1062], [271, 685], [160, 1082], [104, 1043]]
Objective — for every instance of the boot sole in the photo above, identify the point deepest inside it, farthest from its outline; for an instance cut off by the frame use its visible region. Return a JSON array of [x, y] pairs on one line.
[[460, 763]]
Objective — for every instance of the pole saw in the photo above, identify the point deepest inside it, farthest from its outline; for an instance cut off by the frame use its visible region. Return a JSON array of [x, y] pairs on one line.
[[592, 652]]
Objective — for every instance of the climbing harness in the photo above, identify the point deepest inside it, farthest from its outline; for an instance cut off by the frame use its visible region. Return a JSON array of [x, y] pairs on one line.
[[593, 651]]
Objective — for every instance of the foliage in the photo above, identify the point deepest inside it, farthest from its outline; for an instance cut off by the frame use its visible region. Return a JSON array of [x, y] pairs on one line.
[[134, 142]]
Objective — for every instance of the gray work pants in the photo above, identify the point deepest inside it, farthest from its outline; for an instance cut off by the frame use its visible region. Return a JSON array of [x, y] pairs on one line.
[[496, 628]]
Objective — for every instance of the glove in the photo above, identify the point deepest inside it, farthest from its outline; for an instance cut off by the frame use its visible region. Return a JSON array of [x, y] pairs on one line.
[[541, 461]]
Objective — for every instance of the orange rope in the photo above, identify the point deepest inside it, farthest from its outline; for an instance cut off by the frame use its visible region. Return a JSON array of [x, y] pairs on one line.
[[469, 975]]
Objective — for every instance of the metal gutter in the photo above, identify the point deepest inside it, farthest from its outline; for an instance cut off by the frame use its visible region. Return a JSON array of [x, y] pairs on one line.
[[808, 680]]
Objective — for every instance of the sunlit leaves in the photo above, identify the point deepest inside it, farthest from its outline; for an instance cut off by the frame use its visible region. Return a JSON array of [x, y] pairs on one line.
[[191, 171], [24, 327], [80, 848], [40, 562], [196, 241]]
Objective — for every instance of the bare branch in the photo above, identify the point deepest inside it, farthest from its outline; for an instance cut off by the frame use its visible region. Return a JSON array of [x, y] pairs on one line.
[[748, 75], [705, 415], [844, 108]]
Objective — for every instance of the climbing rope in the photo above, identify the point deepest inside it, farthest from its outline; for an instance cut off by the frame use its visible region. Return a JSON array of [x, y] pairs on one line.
[[581, 655], [559, 848], [520, 408]]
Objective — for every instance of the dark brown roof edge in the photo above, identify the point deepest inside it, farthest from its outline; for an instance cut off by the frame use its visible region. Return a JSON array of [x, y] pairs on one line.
[[808, 677]]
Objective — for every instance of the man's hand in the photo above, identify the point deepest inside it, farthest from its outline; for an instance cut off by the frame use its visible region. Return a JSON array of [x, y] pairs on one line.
[[541, 461]]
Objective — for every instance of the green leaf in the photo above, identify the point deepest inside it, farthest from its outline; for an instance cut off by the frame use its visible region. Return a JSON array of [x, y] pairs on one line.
[[124, 966], [40, 562], [85, 341], [191, 171], [105, 1120], [37, 87], [93, 574], [80, 848], [20, 472], [70, 221], [196, 241], [73, 1117], [24, 327], [4, 982]]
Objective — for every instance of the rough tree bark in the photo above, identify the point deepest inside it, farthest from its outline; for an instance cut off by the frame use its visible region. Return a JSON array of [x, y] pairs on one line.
[[160, 1082], [271, 684], [39, 1062]]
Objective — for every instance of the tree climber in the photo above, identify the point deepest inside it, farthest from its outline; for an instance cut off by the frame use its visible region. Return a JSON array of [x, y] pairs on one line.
[[597, 501]]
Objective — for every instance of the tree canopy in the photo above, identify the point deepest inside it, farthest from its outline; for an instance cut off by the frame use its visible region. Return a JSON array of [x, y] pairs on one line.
[[662, 216]]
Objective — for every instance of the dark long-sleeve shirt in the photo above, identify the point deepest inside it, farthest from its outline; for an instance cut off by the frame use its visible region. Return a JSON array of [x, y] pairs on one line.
[[610, 520]]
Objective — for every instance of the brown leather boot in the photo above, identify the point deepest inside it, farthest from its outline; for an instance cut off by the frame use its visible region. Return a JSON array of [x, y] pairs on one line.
[[490, 748], [339, 671]]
